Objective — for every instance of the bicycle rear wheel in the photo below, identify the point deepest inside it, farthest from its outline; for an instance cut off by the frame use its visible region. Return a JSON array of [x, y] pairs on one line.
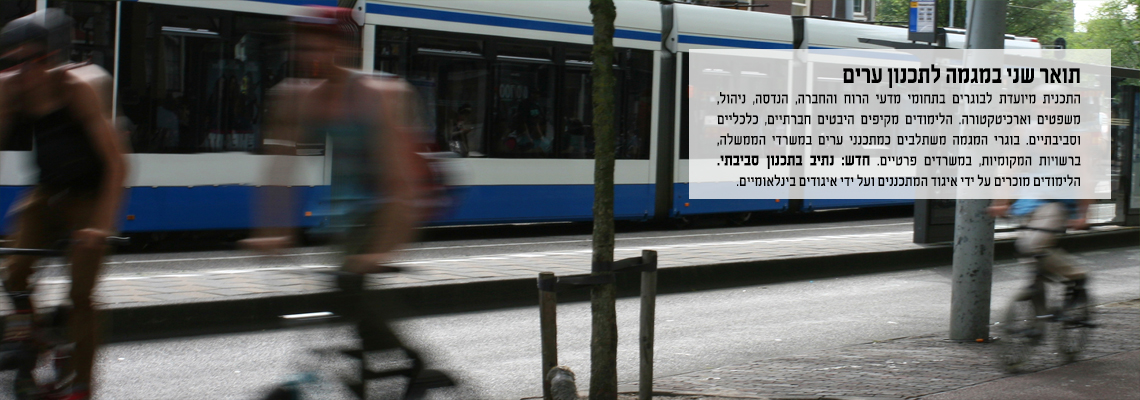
[[1021, 331], [1074, 329]]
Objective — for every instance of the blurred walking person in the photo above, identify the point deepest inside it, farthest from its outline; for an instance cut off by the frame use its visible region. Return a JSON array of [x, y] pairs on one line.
[[82, 168], [371, 124]]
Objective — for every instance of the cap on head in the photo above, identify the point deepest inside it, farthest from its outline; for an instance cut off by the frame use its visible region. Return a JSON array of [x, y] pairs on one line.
[[51, 28]]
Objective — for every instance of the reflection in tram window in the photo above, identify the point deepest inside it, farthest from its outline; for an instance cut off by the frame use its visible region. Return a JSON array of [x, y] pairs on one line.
[[578, 114], [451, 77], [391, 50], [94, 31], [200, 83], [635, 94], [523, 127], [1119, 125], [513, 98], [10, 10]]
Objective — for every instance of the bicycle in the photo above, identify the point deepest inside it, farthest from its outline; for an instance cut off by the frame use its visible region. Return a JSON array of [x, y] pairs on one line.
[[375, 336], [49, 336], [1025, 323]]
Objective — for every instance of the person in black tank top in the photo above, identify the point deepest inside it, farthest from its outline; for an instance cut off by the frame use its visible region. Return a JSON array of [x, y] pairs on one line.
[[81, 175], [66, 158]]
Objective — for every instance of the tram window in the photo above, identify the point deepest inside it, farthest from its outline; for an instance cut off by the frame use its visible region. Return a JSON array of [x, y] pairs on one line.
[[518, 51], [1124, 109], [686, 93], [636, 87], [199, 79], [94, 31], [391, 50], [522, 122], [454, 93], [10, 10], [578, 115], [533, 105], [449, 46], [579, 55]]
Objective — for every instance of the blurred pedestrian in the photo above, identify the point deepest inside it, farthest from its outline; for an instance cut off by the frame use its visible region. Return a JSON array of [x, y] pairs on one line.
[[371, 124], [81, 174]]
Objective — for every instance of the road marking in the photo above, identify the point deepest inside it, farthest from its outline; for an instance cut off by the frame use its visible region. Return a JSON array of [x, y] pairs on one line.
[[653, 237], [218, 258], [473, 259], [526, 244], [688, 245]]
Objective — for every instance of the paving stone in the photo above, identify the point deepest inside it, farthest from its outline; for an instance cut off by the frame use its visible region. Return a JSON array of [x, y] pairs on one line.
[[903, 368]]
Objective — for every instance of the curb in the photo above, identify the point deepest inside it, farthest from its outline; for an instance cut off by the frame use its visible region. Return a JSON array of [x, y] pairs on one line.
[[260, 313]]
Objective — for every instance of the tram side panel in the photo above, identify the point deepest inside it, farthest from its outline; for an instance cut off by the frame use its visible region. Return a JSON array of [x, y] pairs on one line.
[[712, 28]]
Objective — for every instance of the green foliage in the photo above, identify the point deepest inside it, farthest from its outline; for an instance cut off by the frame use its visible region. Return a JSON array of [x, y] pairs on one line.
[[1042, 19], [1045, 20], [1113, 26], [892, 11]]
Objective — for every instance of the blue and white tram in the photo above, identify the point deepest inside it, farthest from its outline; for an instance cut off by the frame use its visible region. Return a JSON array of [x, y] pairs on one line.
[[507, 82]]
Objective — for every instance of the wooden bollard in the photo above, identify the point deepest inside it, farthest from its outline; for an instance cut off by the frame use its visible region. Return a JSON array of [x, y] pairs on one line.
[[648, 309], [547, 305]]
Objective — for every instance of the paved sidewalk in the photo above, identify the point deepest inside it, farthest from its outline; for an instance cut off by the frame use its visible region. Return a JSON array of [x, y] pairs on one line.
[[125, 291], [1109, 377], [930, 366]]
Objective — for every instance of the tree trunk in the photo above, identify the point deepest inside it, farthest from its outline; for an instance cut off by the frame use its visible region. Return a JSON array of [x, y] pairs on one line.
[[603, 343]]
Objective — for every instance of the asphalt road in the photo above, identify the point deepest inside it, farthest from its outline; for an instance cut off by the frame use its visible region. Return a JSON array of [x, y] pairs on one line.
[[496, 353], [476, 241]]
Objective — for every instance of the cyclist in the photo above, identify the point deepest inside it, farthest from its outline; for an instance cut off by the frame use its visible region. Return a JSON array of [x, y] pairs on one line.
[[370, 123], [81, 174], [1049, 211], [1045, 219]]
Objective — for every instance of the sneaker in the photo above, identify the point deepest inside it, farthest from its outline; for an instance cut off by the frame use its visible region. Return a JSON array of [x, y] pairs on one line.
[[77, 395], [69, 392]]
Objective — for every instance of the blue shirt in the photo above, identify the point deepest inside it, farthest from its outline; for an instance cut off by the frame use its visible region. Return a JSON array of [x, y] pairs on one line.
[[1024, 207]]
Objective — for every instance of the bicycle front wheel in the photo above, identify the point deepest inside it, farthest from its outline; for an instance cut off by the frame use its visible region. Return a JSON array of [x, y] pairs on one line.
[[1021, 331]]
